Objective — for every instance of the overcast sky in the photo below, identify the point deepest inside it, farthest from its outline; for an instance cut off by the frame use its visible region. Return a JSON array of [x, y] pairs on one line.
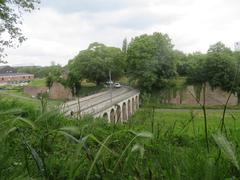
[[61, 28]]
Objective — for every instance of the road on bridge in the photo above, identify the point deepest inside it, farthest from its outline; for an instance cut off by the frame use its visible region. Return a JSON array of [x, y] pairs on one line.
[[97, 102]]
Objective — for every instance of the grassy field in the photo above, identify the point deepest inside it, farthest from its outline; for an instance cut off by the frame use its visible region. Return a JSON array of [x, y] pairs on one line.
[[37, 83], [188, 123], [19, 95], [186, 106], [88, 88], [159, 145]]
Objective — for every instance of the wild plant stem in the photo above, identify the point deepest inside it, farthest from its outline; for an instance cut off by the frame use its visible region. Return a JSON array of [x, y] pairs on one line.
[[203, 106], [152, 123], [205, 116]]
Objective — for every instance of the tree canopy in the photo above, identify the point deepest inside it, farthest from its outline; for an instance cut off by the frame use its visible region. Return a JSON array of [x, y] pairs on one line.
[[150, 61], [219, 67], [97, 61]]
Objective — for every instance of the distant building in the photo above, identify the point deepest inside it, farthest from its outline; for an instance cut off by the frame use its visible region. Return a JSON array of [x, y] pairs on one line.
[[237, 46], [9, 75]]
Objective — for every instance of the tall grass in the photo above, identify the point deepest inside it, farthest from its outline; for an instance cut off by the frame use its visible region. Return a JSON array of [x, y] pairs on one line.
[[48, 145]]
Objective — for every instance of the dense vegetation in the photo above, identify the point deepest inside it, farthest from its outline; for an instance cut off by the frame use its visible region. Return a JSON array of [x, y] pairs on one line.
[[152, 145]]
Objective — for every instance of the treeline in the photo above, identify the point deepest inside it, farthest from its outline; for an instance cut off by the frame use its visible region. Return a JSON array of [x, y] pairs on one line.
[[150, 63], [39, 71]]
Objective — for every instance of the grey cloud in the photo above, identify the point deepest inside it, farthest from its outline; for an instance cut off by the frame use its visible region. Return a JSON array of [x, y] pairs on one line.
[[144, 21]]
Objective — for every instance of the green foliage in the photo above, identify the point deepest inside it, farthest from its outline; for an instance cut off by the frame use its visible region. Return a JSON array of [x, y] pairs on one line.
[[227, 148], [38, 71], [182, 63], [96, 62], [37, 83], [43, 97], [55, 74], [74, 83], [220, 67], [10, 17], [150, 61], [197, 71]]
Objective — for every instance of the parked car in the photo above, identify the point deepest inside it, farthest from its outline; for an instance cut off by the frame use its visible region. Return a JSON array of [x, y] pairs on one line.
[[117, 85], [108, 82]]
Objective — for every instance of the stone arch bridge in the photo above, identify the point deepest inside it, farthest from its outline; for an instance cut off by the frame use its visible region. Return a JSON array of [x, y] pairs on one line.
[[115, 105]]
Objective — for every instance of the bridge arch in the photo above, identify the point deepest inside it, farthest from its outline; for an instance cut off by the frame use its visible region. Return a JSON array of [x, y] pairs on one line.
[[118, 114], [105, 115], [112, 116], [124, 112]]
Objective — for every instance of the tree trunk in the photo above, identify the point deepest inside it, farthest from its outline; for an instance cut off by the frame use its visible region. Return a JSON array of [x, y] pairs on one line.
[[98, 82], [238, 97]]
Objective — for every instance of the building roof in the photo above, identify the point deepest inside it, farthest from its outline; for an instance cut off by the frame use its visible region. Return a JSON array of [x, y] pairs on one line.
[[16, 74], [2, 67]]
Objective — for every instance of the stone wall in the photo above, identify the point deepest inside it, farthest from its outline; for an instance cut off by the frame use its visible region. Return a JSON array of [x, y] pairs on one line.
[[58, 91], [213, 97]]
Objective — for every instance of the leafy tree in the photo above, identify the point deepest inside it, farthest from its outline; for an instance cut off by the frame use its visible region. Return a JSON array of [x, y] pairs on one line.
[[10, 18], [74, 78], [182, 63], [221, 67], [197, 69], [55, 74], [236, 88], [150, 61], [95, 63], [217, 68], [38, 71], [219, 47]]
